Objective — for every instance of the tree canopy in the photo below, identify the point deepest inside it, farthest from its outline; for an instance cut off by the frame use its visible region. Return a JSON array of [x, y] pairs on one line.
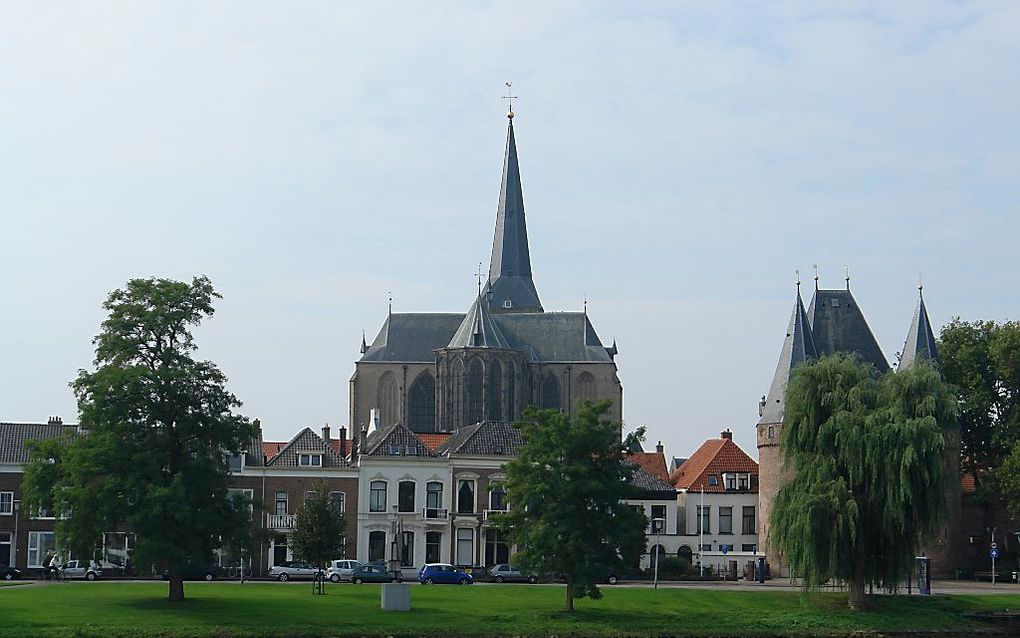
[[867, 453], [567, 486], [320, 534], [157, 427]]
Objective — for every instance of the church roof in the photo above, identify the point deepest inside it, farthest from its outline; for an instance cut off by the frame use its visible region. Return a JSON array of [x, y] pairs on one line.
[[510, 266], [799, 346], [920, 344], [838, 325], [412, 337], [478, 329]]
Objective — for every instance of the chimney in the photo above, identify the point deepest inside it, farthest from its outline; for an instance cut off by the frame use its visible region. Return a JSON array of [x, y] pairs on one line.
[[658, 447], [342, 433], [55, 420], [726, 434], [325, 433], [373, 420]]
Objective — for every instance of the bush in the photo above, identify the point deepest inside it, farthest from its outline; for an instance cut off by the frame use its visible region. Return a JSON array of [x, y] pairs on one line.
[[675, 568]]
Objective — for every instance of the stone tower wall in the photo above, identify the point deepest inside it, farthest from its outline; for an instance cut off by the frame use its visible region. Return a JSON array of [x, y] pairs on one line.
[[772, 475], [944, 548]]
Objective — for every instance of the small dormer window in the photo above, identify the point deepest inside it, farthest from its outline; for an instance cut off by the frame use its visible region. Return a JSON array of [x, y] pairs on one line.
[[713, 479], [507, 303], [394, 450], [731, 481], [744, 481], [310, 460], [411, 450]]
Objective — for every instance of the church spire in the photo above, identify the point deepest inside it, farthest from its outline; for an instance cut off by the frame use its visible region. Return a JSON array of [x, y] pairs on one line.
[[798, 347], [920, 339], [512, 288]]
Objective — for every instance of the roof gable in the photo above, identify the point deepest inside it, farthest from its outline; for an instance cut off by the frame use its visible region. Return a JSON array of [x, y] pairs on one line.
[[14, 438], [714, 457], [306, 442], [489, 438], [395, 440]]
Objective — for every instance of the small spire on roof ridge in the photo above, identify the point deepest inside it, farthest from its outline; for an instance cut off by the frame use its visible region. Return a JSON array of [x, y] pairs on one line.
[[798, 280], [364, 343], [920, 287], [846, 269], [389, 302], [815, 266]]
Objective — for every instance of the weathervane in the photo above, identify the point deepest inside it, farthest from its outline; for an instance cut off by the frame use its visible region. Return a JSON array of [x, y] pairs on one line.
[[478, 275], [510, 101]]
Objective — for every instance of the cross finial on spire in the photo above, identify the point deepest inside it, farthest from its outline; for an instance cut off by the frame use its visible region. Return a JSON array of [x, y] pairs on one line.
[[478, 276], [509, 97], [798, 280], [920, 286], [815, 266]]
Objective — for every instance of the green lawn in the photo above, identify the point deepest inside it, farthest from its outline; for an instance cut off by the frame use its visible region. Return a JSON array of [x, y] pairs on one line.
[[112, 610]]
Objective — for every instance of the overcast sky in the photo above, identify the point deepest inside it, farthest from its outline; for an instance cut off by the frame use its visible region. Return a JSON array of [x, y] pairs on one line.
[[679, 161]]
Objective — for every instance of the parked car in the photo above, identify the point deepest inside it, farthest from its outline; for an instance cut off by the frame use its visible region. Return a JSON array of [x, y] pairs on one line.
[[9, 573], [81, 569], [438, 573], [343, 570], [504, 573], [371, 574], [197, 571], [292, 569]]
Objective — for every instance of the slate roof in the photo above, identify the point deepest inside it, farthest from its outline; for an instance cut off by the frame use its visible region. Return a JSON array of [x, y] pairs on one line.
[[676, 463], [920, 344], [798, 346], [413, 337], [394, 440], [510, 265], [489, 438], [14, 438], [715, 456], [651, 485], [307, 441], [479, 329], [653, 463], [838, 325]]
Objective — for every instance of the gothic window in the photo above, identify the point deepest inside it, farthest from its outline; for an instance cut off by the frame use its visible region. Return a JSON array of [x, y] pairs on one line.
[[550, 390], [474, 393], [421, 409], [455, 395], [585, 387], [495, 391], [389, 400], [511, 378]]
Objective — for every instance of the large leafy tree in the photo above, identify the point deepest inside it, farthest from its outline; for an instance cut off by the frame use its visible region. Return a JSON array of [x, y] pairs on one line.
[[320, 534], [568, 483], [982, 360], [157, 426], [867, 452]]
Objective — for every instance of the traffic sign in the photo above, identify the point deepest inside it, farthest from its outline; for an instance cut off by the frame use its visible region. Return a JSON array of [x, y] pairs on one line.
[[994, 553], [725, 549], [995, 546]]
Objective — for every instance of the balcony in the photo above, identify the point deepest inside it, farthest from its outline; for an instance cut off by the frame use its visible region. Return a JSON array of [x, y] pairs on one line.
[[435, 513], [487, 514], [280, 521]]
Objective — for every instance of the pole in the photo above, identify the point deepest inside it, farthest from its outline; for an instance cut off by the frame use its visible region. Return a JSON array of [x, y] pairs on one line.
[[701, 534], [993, 557], [658, 531], [17, 512]]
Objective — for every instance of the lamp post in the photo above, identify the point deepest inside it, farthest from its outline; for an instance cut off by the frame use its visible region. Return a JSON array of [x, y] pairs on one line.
[[17, 510], [658, 523], [701, 534]]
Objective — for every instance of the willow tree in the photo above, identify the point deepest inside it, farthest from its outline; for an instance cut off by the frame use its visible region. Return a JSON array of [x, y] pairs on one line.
[[867, 453]]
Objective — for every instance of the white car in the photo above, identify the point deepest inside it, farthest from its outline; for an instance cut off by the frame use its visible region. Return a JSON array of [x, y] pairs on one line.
[[292, 569], [82, 569], [343, 570]]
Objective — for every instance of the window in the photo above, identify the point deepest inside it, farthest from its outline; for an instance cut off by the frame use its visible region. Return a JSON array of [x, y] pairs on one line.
[[465, 496], [658, 521], [550, 391], [508, 304], [749, 547], [497, 550], [421, 408], [474, 393], [388, 400], [432, 542], [40, 544], [707, 547], [407, 549], [704, 520], [713, 479], [731, 481], [465, 545], [511, 374], [340, 499], [748, 525], [405, 496], [434, 495], [376, 546], [395, 450], [497, 498], [281, 503], [234, 463], [744, 481], [772, 431], [585, 387], [377, 496], [725, 520], [245, 494], [495, 396], [117, 548], [310, 460], [6, 503], [5, 548]]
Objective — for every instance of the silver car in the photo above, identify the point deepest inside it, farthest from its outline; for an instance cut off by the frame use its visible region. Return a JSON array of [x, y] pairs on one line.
[[504, 573], [343, 570], [81, 569], [292, 569]]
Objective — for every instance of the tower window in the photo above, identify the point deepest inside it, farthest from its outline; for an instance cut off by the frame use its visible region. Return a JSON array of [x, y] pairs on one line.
[[507, 303]]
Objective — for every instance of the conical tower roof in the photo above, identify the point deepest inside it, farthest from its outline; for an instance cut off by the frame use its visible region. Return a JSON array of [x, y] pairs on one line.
[[479, 329], [510, 282], [838, 325], [799, 346], [920, 344]]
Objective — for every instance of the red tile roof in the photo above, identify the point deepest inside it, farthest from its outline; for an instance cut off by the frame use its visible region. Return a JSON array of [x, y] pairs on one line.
[[272, 448], [433, 441], [714, 457], [652, 462]]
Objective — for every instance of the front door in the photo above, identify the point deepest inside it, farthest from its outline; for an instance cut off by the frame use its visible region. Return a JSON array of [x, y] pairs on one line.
[[279, 550]]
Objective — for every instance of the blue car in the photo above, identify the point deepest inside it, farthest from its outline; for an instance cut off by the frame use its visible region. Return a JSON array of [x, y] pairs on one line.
[[438, 573]]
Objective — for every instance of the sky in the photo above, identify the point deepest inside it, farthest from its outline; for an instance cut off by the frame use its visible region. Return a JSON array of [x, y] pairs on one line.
[[680, 161]]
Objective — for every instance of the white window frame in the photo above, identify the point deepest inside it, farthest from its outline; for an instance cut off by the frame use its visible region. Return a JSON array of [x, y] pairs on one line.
[[474, 495], [285, 500], [6, 503], [10, 547], [456, 546], [37, 547], [313, 460], [342, 499], [385, 496], [429, 492]]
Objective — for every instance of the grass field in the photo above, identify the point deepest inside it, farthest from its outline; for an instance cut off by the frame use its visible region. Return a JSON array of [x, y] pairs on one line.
[[113, 610]]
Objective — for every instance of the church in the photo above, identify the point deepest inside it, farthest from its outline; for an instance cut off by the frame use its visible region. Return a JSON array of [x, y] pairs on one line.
[[435, 372]]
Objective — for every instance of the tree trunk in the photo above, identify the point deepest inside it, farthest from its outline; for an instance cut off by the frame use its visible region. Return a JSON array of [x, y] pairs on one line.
[[570, 597], [176, 587], [856, 594]]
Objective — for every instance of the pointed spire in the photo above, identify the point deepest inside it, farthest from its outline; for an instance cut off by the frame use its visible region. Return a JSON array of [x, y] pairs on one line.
[[364, 343], [920, 344], [479, 329], [799, 346], [513, 289]]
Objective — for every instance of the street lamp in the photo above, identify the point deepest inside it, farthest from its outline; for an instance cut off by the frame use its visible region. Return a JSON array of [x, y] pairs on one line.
[[17, 509], [658, 523]]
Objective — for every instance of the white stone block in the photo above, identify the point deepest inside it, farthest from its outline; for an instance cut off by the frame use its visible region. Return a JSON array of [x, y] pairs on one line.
[[396, 597]]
